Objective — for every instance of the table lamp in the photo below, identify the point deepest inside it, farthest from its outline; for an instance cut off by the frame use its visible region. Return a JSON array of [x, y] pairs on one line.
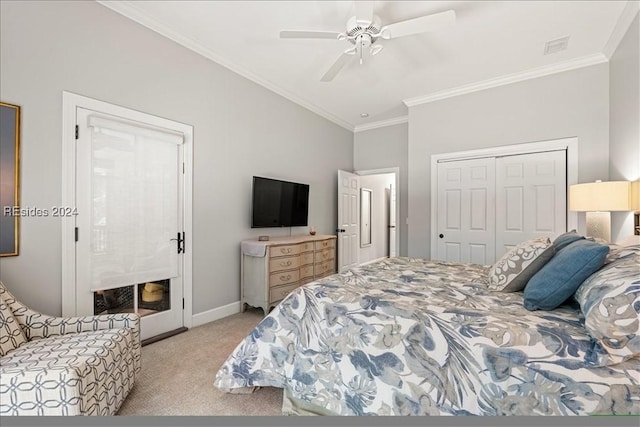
[[598, 199]]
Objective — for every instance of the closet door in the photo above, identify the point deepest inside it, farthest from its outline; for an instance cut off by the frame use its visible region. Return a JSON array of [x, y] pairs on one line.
[[466, 211], [531, 197]]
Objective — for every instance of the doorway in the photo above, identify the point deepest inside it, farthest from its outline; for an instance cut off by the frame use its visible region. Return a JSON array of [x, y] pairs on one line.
[[381, 238], [127, 247]]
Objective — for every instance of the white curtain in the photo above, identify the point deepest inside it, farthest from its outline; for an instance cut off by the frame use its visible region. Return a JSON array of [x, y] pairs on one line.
[[134, 203]]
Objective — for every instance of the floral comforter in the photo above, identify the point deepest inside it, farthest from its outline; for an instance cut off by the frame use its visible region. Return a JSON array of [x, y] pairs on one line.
[[414, 337]]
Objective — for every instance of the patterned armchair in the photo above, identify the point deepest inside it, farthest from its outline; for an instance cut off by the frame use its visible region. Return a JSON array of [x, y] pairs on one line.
[[65, 365]]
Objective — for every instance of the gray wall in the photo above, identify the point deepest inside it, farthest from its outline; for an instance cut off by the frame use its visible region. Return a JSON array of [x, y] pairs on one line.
[[386, 148], [624, 118], [572, 103], [241, 129]]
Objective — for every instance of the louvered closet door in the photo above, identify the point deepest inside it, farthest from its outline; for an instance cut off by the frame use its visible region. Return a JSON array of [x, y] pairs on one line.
[[531, 197], [466, 211]]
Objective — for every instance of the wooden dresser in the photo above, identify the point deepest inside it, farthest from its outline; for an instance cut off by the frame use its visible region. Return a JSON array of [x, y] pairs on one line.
[[271, 269]]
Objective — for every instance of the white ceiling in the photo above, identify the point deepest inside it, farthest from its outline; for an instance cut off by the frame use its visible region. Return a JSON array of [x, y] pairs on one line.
[[491, 41]]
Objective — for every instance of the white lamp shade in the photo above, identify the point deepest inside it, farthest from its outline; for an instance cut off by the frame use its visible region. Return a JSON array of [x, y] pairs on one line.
[[600, 196], [635, 196]]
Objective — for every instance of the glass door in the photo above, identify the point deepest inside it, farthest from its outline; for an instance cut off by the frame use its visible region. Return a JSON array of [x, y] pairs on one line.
[[129, 223]]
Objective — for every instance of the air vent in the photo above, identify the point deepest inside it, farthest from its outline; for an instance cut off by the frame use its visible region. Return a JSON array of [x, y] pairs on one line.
[[554, 46]]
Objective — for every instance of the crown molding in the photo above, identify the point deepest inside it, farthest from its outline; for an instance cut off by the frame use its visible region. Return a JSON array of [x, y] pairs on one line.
[[381, 123], [546, 70], [622, 26], [129, 10]]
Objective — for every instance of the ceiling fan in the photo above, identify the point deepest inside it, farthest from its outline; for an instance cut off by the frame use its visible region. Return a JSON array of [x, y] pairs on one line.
[[364, 30]]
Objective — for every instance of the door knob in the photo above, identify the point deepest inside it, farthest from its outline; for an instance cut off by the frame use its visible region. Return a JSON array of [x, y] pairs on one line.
[[441, 235]]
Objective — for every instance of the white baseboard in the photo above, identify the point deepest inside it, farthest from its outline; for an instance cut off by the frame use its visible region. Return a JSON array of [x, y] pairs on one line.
[[215, 314]]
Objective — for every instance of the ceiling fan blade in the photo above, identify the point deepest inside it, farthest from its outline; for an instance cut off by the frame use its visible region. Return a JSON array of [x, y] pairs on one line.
[[286, 34], [364, 10], [336, 67], [434, 22]]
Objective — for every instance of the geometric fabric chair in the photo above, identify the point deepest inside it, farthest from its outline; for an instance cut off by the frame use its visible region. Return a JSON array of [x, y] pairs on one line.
[[65, 365]]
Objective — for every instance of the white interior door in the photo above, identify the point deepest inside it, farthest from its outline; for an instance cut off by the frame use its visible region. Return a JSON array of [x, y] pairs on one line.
[[130, 201], [466, 211], [531, 197], [392, 221], [348, 219]]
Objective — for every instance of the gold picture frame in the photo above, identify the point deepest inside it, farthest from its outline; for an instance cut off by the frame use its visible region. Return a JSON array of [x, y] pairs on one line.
[[9, 179]]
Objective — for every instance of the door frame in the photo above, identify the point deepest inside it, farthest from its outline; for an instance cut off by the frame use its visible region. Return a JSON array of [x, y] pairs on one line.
[[568, 144], [396, 172], [70, 102]]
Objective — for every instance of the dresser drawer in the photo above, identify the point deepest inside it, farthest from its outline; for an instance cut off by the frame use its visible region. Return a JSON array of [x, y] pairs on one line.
[[283, 278], [324, 255], [306, 271], [325, 244], [325, 268], [275, 251], [277, 293], [306, 258], [306, 247], [285, 263]]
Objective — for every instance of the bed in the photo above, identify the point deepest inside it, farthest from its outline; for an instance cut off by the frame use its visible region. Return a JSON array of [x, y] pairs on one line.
[[406, 336]]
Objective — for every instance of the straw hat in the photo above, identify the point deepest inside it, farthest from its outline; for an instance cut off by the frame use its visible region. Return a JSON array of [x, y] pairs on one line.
[[152, 292]]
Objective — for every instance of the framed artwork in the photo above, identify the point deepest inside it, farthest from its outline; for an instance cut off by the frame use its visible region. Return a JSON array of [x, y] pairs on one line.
[[9, 179]]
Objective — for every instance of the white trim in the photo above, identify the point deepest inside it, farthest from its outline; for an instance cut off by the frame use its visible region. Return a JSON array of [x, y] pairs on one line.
[[215, 314], [70, 102], [546, 70], [68, 223], [569, 144], [381, 124], [622, 26], [127, 9]]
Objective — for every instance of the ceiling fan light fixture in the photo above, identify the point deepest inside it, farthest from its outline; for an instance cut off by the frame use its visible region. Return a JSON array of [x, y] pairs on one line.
[[364, 29]]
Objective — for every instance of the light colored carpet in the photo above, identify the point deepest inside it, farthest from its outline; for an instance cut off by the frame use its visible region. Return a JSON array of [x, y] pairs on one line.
[[178, 372]]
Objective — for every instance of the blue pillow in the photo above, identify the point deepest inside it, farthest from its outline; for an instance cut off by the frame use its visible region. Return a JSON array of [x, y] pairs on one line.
[[566, 239], [563, 274]]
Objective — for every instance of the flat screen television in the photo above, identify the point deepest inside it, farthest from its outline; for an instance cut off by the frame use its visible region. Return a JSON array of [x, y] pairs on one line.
[[277, 203]]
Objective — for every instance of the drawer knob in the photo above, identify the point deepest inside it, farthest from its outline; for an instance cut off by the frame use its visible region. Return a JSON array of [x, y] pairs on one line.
[[283, 293], [287, 277], [285, 264]]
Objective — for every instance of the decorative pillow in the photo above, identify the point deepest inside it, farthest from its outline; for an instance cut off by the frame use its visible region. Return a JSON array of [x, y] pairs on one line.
[[515, 268], [11, 335], [561, 276], [617, 252], [566, 239], [610, 303]]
